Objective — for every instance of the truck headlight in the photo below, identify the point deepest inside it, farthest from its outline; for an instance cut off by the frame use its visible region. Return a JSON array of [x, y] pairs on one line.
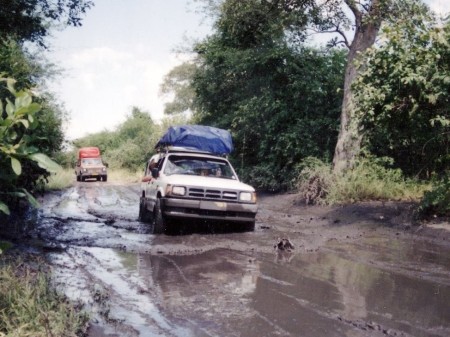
[[85, 170], [103, 169], [178, 190], [247, 196]]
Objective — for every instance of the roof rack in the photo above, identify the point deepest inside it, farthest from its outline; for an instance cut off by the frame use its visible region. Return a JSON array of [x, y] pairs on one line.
[[172, 149]]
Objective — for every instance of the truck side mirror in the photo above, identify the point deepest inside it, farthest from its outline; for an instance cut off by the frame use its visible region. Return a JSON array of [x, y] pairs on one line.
[[155, 172]]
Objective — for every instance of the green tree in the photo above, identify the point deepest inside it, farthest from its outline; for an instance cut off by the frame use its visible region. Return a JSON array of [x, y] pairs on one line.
[[178, 83], [32, 20], [279, 100], [356, 24], [403, 95]]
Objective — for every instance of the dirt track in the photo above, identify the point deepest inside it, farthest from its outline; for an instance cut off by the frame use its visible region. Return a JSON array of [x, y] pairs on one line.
[[359, 270]]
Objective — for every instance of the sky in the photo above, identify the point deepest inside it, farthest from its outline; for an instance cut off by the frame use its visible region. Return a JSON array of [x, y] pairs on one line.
[[118, 58]]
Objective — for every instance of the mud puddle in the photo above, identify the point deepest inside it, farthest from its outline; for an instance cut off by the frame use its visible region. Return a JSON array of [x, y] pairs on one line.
[[341, 279], [227, 293]]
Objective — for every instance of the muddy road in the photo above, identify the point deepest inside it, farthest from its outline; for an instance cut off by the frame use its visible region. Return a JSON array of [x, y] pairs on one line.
[[361, 270]]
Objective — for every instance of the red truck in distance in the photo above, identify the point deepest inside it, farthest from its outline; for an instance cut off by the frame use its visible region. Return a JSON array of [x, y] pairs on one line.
[[90, 165]]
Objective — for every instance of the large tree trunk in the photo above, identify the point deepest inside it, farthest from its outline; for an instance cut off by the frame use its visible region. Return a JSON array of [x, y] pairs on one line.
[[350, 135]]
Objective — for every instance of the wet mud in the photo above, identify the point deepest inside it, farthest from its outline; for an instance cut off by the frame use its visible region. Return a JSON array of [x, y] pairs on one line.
[[360, 270]]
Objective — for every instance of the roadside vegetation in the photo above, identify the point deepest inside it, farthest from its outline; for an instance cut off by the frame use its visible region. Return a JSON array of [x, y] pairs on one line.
[[370, 179], [30, 306]]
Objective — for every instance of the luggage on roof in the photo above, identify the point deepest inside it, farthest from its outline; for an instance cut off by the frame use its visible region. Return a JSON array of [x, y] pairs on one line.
[[88, 152], [198, 137]]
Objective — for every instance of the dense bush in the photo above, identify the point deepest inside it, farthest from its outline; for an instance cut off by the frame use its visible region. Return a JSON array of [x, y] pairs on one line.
[[437, 201]]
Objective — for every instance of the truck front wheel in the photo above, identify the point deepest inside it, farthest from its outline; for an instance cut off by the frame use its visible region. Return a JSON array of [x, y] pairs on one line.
[[159, 223], [144, 214]]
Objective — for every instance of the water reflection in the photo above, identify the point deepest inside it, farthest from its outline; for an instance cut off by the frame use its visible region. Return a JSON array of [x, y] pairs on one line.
[[343, 290], [318, 294]]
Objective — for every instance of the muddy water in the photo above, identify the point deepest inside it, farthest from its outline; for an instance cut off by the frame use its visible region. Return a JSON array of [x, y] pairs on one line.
[[338, 281]]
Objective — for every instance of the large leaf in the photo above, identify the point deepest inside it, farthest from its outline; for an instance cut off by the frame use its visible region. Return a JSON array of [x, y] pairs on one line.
[[45, 162], [33, 108], [30, 198], [4, 208], [16, 166], [10, 84], [23, 99]]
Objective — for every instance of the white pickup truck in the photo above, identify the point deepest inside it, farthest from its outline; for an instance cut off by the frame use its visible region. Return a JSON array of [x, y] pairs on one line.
[[184, 184]]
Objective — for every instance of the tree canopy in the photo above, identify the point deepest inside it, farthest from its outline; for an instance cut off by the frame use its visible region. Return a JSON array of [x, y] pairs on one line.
[[280, 100], [32, 20]]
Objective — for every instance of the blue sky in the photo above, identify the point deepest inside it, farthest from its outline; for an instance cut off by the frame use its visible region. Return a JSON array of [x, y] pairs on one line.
[[120, 55]]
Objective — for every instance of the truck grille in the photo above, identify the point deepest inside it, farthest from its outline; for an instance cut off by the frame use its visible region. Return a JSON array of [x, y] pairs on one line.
[[202, 193]]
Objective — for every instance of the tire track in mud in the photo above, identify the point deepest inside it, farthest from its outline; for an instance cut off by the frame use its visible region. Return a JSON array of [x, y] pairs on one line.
[[114, 296]]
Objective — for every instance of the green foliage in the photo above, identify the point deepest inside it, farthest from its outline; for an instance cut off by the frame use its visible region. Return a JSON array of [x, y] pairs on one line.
[[30, 307], [17, 152], [31, 20], [129, 145], [29, 71], [403, 95], [370, 179], [280, 103], [437, 201]]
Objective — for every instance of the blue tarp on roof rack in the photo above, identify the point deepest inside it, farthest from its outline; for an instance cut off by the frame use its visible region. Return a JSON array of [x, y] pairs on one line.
[[199, 137]]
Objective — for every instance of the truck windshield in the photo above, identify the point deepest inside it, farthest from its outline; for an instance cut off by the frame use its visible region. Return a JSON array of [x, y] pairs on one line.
[[91, 161], [199, 166]]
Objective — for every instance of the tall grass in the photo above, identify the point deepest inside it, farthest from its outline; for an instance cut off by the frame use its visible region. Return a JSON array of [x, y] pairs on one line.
[[61, 180], [29, 306], [123, 176], [370, 179]]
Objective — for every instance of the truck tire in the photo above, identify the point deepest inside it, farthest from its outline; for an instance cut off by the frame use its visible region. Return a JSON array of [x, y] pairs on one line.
[[105, 178], [249, 226], [159, 222], [78, 178], [144, 214], [83, 178]]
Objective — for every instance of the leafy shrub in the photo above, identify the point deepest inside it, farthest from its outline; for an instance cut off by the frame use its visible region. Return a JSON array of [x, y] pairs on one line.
[[21, 163], [437, 201], [370, 179]]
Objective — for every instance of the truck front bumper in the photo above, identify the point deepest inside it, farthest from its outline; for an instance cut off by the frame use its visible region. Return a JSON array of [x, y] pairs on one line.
[[209, 210]]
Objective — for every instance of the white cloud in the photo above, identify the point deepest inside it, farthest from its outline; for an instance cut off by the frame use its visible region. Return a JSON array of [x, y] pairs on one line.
[[441, 7], [118, 58], [102, 84]]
